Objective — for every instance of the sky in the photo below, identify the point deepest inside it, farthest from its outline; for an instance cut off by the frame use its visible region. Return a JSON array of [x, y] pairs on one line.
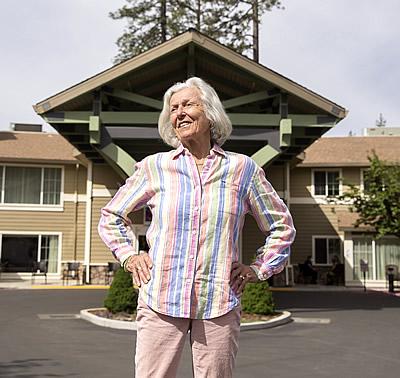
[[345, 50]]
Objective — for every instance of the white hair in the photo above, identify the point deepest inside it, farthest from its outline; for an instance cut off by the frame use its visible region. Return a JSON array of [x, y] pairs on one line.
[[221, 126]]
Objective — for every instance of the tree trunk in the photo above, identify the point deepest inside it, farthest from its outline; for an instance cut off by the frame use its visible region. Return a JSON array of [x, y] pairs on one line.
[[255, 31], [163, 20], [198, 15]]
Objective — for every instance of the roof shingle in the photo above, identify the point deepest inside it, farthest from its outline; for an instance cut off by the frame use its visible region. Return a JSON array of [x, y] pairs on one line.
[[351, 151], [35, 147]]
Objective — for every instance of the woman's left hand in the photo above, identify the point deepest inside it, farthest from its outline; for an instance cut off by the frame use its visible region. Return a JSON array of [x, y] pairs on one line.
[[241, 274]]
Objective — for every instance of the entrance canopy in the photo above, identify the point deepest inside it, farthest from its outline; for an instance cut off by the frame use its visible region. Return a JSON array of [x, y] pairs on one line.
[[112, 116]]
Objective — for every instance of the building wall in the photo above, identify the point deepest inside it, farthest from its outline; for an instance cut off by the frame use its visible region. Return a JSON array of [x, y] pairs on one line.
[[69, 221], [300, 182], [276, 176]]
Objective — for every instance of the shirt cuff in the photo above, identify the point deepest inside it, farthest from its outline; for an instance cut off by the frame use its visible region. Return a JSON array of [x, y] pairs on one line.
[[123, 256], [262, 274]]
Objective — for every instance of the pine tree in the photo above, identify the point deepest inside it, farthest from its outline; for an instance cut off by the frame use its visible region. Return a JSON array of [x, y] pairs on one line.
[[233, 23]]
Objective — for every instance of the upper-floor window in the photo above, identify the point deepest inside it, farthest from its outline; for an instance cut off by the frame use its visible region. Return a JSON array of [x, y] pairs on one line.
[[30, 185], [326, 183]]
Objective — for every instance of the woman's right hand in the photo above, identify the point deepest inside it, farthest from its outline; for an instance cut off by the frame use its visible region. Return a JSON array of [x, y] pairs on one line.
[[139, 266]]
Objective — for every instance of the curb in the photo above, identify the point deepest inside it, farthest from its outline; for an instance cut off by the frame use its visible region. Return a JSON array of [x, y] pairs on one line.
[[284, 318]]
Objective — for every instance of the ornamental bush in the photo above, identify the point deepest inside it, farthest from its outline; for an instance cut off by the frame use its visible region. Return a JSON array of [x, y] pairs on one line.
[[257, 299], [122, 296]]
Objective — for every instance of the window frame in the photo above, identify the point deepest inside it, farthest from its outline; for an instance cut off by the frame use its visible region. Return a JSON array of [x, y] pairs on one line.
[[326, 237], [326, 170], [32, 206], [39, 234]]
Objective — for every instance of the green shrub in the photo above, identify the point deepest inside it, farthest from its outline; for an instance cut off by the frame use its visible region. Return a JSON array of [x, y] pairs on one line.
[[257, 299], [122, 296]]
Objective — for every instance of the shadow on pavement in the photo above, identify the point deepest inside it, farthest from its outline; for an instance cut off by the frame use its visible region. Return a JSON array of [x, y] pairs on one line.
[[327, 301], [26, 368]]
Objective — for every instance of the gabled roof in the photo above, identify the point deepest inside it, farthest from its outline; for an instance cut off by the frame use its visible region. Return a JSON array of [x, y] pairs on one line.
[[205, 43], [351, 151], [35, 147], [112, 116]]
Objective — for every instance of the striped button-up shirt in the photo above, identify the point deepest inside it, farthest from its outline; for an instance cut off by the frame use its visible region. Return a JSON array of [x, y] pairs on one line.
[[197, 218]]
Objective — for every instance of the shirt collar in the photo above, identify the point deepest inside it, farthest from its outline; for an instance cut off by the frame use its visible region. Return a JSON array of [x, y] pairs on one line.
[[182, 150]]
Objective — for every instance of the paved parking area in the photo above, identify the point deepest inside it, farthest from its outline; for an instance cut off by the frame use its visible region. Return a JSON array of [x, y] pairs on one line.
[[41, 337]]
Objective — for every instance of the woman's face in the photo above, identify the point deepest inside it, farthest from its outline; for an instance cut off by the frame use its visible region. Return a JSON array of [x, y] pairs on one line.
[[188, 118]]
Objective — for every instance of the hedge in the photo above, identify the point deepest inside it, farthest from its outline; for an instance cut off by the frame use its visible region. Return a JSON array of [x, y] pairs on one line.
[[257, 299], [122, 296]]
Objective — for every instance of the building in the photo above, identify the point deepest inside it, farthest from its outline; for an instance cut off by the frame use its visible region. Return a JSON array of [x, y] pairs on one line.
[[325, 225], [111, 120], [42, 204], [44, 208]]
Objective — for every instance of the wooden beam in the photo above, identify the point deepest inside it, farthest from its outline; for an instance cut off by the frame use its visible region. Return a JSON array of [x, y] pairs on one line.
[[151, 118], [67, 117], [283, 105], [247, 99], [94, 129], [285, 132], [121, 161], [191, 63], [265, 155], [134, 97]]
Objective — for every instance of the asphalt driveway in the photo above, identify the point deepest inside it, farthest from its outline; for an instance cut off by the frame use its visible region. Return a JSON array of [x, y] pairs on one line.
[[345, 333]]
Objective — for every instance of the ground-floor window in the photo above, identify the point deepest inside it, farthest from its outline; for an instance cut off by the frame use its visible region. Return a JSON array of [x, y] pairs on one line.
[[325, 249], [18, 252], [378, 254]]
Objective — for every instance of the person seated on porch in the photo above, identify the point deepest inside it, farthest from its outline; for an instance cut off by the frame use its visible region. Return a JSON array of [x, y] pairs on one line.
[[336, 274], [308, 270]]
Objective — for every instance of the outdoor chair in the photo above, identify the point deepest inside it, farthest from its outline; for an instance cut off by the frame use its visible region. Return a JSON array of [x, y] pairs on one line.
[[39, 268], [304, 276], [112, 268], [73, 272]]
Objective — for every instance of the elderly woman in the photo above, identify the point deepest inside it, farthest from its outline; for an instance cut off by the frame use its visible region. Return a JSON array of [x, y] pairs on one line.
[[191, 279]]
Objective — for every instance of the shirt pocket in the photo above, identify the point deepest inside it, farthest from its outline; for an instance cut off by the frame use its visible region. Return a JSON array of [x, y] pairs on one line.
[[231, 198]]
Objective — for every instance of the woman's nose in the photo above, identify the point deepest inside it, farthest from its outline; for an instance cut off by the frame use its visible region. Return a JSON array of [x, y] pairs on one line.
[[180, 110]]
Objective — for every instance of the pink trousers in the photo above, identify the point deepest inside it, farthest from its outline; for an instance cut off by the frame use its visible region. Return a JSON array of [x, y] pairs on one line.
[[160, 341]]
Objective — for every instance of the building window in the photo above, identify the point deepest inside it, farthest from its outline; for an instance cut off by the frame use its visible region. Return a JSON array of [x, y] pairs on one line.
[[18, 252], [326, 183], [363, 250], [377, 253], [30, 185], [325, 248], [364, 181]]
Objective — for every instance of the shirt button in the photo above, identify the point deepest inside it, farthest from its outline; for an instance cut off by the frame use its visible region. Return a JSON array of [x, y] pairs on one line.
[[196, 208], [191, 257]]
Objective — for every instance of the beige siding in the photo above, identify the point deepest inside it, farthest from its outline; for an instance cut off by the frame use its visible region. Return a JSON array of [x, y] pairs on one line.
[[105, 177], [351, 176], [50, 221], [311, 220], [99, 253], [276, 176], [70, 179], [300, 182]]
